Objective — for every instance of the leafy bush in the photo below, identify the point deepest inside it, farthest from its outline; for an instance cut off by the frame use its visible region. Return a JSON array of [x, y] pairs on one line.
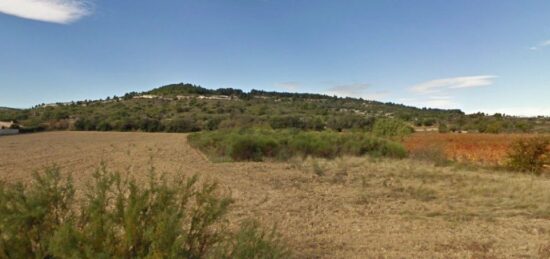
[[32, 129], [282, 122], [28, 217], [443, 128], [248, 148], [391, 128], [119, 218], [257, 144], [253, 242], [529, 155]]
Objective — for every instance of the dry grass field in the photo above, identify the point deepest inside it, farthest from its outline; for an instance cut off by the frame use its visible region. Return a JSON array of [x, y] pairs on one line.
[[488, 149], [343, 208]]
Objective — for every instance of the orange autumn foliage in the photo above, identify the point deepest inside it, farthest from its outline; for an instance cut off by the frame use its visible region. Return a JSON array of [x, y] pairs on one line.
[[488, 149]]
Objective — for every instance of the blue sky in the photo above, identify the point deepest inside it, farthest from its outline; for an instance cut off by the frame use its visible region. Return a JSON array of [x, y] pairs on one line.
[[490, 56]]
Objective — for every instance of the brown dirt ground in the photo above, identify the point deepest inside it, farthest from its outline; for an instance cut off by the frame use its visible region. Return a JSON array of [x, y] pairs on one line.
[[345, 208]]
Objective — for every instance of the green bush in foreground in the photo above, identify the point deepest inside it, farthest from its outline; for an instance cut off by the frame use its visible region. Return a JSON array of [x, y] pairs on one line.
[[119, 218], [529, 155], [257, 144]]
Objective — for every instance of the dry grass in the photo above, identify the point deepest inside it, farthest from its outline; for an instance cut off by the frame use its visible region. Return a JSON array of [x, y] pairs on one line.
[[342, 208]]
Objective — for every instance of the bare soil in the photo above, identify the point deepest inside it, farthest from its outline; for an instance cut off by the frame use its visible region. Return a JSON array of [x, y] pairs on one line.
[[344, 208]]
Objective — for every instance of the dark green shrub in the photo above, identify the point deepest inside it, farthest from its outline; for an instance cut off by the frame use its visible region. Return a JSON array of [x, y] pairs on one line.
[[254, 242], [529, 155], [182, 124], [494, 127], [391, 128], [32, 129], [392, 149], [104, 126], [257, 144], [283, 122], [315, 123], [29, 216], [119, 218], [443, 128], [250, 148]]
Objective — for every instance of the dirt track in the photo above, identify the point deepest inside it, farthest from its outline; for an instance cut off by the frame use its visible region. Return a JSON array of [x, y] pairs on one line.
[[354, 208]]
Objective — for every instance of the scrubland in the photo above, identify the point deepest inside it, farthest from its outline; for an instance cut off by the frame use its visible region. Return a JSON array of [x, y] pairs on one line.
[[339, 208]]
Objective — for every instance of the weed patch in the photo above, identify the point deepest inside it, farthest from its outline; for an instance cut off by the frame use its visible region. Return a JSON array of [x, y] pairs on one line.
[[529, 155]]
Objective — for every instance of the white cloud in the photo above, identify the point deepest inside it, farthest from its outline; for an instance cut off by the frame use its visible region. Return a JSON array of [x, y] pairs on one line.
[[438, 85], [55, 11], [541, 45], [357, 90], [289, 86]]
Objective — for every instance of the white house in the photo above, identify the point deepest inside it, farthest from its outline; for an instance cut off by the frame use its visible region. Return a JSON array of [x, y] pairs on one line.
[[6, 124]]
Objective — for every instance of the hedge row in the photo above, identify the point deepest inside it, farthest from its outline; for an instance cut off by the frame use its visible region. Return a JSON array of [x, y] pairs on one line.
[[257, 144]]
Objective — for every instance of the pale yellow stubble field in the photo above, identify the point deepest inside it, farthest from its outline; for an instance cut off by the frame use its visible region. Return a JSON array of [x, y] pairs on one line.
[[344, 208]]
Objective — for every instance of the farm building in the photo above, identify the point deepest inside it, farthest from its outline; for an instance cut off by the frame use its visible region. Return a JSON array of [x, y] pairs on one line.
[[6, 124], [6, 128], [146, 96]]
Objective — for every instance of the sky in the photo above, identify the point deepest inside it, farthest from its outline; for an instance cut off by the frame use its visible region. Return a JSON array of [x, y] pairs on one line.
[[488, 56]]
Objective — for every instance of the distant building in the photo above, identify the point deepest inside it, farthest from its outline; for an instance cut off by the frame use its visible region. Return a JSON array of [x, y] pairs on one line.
[[215, 97], [183, 97], [146, 96], [5, 128], [6, 124], [426, 129]]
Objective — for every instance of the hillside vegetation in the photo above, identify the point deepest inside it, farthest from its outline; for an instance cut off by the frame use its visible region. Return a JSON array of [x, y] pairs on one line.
[[189, 108]]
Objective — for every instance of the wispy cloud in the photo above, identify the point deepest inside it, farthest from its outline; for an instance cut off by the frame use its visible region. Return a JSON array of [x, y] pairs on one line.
[[350, 90], [541, 45], [357, 90], [289, 86], [441, 102], [376, 96], [55, 11], [438, 85]]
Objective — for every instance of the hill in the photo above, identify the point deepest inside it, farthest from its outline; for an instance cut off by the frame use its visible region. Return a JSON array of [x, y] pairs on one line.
[[7, 109], [187, 107]]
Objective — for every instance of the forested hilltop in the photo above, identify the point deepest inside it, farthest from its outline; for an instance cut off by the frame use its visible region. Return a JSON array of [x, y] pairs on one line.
[[187, 108]]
